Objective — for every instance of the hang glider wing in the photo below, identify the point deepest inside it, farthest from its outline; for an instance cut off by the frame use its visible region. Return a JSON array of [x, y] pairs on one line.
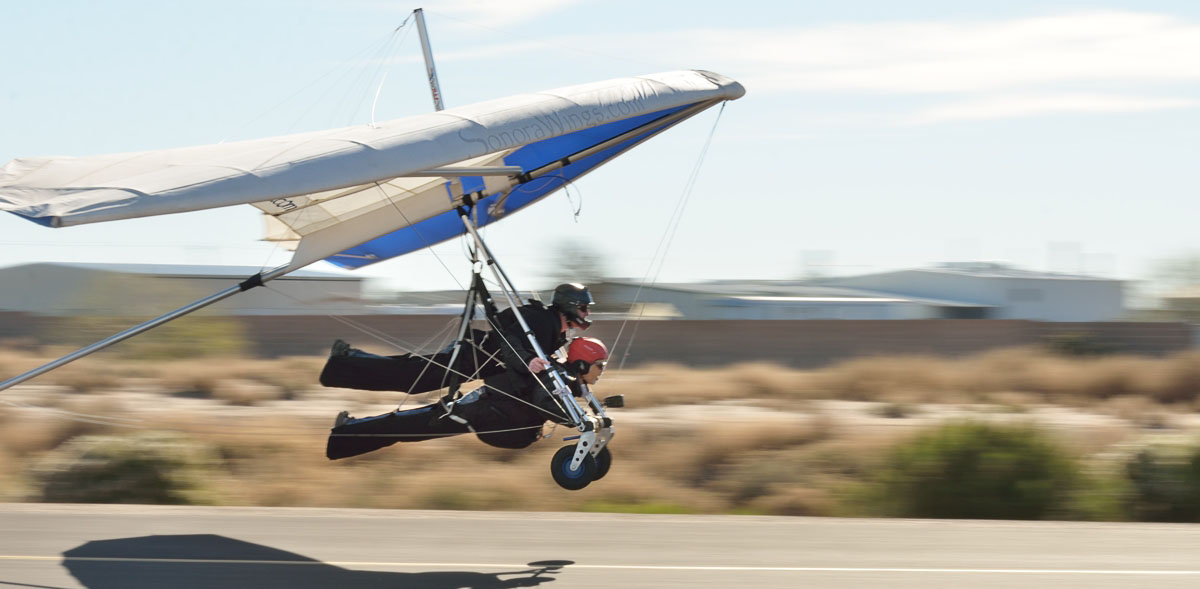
[[363, 194]]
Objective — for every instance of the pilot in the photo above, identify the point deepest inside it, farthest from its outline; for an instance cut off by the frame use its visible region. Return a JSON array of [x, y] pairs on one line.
[[499, 416], [506, 345]]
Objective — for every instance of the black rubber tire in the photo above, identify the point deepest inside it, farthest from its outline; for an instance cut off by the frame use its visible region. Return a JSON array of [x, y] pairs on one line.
[[603, 462], [560, 469]]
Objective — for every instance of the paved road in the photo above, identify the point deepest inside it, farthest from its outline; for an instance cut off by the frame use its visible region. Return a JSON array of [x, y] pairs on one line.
[[132, 547]]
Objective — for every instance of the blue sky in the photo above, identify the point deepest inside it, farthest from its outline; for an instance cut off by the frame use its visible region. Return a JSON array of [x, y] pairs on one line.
[[874, 135]]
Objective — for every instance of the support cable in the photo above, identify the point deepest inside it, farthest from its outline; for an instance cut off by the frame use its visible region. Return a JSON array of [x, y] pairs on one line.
[[664, 243]]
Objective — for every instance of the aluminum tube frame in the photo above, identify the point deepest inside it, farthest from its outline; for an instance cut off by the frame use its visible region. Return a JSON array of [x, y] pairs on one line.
[[577, 415], [671, 120], [605, 428], [142, 327], [430, 70], [468, 311]]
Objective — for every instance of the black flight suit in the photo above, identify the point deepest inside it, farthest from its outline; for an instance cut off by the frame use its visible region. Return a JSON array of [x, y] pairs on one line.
[[507, 412]]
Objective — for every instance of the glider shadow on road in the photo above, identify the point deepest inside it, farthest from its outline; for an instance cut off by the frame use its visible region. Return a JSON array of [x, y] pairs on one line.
[[207, 560]]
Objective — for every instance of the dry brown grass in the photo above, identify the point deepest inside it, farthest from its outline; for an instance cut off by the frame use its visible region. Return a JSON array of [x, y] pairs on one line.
[[1029, 372], [89, 375], [911, 378], [657, 385], [246, 392], [799, 462], [15, 361]]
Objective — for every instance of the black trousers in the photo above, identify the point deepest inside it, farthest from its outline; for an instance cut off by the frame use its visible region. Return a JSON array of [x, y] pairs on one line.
[[411, 373], [498, 421]]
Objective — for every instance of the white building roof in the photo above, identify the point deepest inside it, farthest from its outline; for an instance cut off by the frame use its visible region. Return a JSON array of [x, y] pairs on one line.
[[191, 271], [799, 291], [997, 270]]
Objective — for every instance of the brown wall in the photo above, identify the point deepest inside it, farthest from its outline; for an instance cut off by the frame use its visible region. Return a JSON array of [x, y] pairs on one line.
[[21, 329], [815, 343], [795, 343]]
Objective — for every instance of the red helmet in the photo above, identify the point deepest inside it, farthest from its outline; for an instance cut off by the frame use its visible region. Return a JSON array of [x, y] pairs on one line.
[[586, 349]]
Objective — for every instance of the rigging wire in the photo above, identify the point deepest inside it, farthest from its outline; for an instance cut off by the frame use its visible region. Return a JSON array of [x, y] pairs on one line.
[[108, 420], [576, 203], [495, 329], [381, 61], [372, 47], [391, 44], [664, 243], [664, 246], [428, 245], [381, 54]]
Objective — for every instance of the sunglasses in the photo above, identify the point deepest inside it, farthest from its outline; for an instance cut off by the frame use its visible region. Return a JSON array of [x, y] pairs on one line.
[[583, 307]]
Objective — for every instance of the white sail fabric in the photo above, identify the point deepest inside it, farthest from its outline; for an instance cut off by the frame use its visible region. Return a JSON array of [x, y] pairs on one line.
[[312, 182]]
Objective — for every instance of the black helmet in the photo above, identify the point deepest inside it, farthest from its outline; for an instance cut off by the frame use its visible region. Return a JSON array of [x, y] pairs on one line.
[[568, 298]]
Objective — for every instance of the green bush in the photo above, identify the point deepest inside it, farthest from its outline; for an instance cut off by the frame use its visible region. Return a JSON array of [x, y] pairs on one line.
[[187, 337], [146, 468], [976, 470], [1078, 344], [1165, 480]]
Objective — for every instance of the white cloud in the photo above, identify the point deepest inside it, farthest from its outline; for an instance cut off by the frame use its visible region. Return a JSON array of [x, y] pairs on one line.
[[949, 56], [474, 53], [499, 13], [1011, 106], [472, 14], [1079, 62]]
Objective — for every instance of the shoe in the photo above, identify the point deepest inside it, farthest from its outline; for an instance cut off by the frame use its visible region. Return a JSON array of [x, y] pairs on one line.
[[448, 404], [340, 348], [342, 418]]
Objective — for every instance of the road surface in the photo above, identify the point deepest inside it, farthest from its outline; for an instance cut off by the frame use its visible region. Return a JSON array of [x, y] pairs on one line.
[[133, 547]]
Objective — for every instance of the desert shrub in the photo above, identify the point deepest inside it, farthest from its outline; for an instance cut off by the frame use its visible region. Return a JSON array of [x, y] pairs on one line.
[[1078, 344], [246, 392], [656, 385], [14, 361], [1165, 482], [976, 470], [699, 457], [1175, 379], [190, 379], [88, 375], [794, 500], [27, 437], [294, 375], [762, 380], [875, 378], [757, 474], [894, 410], [190, 337], [147, 467]]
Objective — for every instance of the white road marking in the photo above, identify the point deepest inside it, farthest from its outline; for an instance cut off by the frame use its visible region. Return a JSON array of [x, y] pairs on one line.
[[492, 565]]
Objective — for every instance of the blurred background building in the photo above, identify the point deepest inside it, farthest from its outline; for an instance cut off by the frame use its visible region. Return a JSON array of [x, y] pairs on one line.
[[140, 289], [947, 310], [951, 291]]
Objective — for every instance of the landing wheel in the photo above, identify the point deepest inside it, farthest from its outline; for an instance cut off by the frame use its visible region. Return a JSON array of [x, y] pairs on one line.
[[603, 461], [572, 480]]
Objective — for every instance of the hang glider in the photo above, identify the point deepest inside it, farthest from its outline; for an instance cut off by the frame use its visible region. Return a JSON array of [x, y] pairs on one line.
[[363, 194]]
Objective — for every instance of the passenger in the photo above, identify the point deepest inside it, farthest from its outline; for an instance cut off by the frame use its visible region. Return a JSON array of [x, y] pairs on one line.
[[500, 416]]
